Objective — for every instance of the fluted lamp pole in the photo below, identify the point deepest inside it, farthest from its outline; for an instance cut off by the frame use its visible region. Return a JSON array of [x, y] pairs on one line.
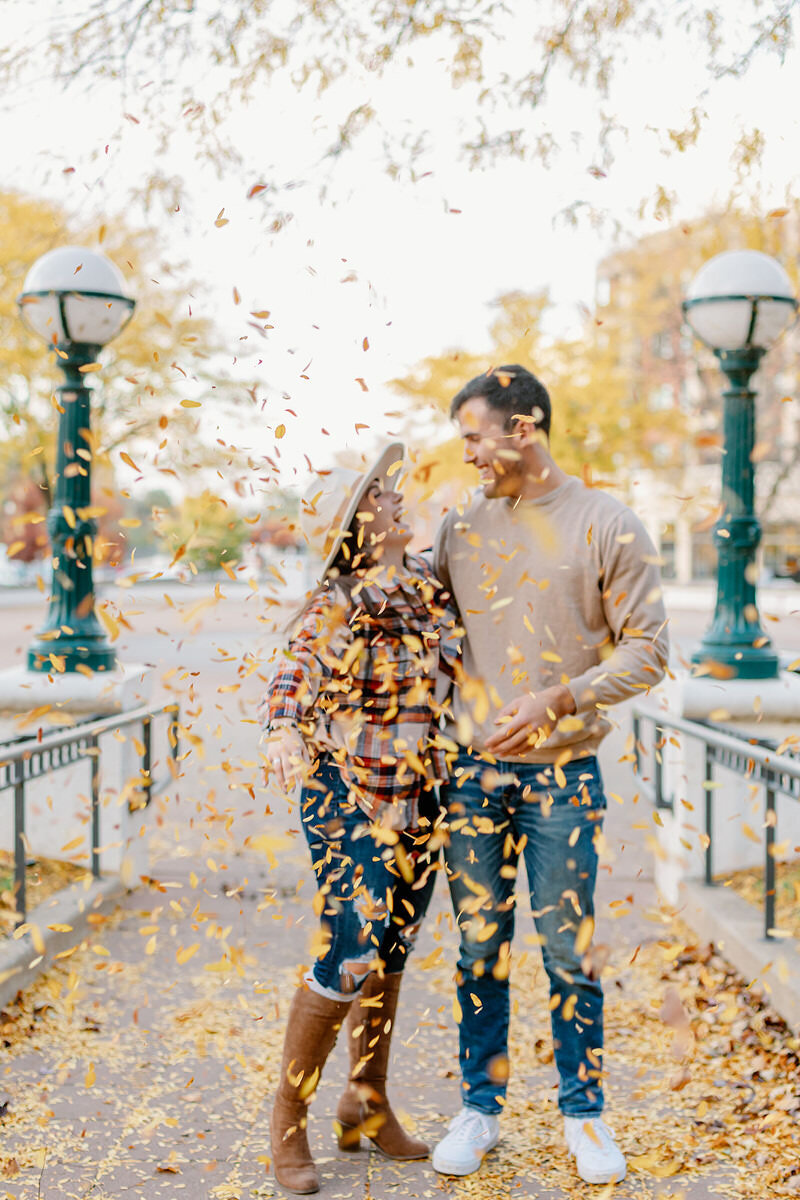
[[75, 299], [739, 304]]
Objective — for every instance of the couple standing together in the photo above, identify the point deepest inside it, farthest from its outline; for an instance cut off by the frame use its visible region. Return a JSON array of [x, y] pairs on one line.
[[458, 705]]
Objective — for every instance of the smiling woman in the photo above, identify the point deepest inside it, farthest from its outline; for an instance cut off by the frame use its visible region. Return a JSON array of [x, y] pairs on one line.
[[352, 713]]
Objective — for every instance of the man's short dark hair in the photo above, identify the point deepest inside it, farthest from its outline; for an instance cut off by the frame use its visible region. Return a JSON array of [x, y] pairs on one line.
[[512, 391]]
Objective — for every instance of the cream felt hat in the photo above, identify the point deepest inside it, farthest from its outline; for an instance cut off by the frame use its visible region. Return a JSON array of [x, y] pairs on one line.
[[332, 501]]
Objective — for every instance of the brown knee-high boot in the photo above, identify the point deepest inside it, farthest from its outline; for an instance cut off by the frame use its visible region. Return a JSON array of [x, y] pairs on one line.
[[311, 1030], [364, 1107]]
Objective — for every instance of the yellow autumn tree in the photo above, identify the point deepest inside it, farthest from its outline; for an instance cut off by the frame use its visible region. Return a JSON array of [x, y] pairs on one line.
[[600, 425], [641, 286], [154, 376]]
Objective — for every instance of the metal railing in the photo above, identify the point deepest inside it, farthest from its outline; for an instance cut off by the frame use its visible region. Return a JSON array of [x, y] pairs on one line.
[[756, 761], [27, 759]]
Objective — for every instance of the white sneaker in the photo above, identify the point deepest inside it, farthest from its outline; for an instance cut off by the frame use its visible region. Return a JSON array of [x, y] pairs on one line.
[[472, 1134], [597, 1156]]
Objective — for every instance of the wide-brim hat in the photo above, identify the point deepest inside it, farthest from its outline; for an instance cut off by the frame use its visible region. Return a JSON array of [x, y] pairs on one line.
[[333, 499]]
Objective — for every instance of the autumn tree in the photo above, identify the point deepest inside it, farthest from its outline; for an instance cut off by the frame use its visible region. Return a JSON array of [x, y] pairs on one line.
[[599, 423], [504, 64], [203, 532], [155, 375], [640, 290]]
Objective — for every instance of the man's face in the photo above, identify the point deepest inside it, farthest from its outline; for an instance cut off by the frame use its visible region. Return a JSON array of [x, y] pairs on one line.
[[490, 447]]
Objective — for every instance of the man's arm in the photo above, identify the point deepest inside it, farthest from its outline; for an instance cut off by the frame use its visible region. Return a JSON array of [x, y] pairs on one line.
[[637, 650], [637, 645]]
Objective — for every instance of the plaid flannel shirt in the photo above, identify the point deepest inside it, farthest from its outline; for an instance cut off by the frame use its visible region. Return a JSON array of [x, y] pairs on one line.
[[364, 677]]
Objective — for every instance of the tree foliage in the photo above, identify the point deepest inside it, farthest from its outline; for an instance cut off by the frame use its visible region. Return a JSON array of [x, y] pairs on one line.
[[645, 283], [506, 62], [204, 532], [145, 401], [599, 422]]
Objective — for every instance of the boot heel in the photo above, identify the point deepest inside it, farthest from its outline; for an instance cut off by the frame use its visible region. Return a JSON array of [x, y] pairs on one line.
[[348, 1137]]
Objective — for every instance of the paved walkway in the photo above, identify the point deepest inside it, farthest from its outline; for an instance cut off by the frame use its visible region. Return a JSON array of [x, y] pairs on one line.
[[143, 1065]]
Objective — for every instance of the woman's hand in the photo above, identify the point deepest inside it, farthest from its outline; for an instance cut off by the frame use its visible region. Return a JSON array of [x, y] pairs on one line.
[[287, 756]]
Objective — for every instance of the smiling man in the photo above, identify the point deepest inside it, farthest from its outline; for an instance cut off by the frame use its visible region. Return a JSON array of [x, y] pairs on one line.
[[559, 592]]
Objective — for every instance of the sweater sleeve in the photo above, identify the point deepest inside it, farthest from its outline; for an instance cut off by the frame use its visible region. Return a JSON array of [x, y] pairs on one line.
[[440, 565], [310, 657], [636, 652]]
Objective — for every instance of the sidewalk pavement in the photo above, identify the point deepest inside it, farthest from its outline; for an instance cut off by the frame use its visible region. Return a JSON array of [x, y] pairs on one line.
[[144, 1063]]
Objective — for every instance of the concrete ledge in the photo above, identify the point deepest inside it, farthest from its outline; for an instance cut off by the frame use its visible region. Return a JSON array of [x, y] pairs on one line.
[[127, 686], [21, 962], [718, 915]]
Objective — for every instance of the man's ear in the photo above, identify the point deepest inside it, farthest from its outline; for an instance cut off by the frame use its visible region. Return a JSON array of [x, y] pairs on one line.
[[523, 426]]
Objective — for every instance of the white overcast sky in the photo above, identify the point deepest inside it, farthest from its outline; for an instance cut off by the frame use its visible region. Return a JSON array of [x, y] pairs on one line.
[[388, 259]]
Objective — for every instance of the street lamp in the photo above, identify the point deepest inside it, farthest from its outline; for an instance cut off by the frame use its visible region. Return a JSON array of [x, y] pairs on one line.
[[738, 304], [75, 299]]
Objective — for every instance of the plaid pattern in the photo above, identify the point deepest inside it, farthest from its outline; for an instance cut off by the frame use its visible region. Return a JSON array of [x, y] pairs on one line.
[[364, 678]]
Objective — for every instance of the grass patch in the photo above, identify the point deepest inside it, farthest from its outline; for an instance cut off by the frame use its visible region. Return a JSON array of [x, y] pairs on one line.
[[43, 877], [749, 885]]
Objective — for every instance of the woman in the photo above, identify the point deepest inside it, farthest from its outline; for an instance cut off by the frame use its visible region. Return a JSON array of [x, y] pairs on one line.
[[352, 711]]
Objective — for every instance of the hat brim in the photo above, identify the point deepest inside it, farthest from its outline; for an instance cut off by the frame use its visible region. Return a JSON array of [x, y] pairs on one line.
[[393, 453]]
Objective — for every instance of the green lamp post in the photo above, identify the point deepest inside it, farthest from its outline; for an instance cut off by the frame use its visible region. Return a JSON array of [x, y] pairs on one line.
[[75, 299], [738, 304]]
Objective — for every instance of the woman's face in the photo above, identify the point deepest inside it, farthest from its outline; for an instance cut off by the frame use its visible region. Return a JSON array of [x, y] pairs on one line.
[[382, 515]]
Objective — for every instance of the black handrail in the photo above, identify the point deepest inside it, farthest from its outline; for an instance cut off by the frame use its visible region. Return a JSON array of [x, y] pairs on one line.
[[27, 759], [756, 760]]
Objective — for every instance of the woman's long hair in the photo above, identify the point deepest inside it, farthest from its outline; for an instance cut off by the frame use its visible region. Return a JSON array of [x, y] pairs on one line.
[[346, 570]]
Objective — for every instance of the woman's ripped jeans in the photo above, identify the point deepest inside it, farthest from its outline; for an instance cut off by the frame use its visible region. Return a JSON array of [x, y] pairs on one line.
[[372, 897]]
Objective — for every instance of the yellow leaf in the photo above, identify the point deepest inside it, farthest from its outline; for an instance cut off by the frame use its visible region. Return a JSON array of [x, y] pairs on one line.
[[584, 935], [280, 430], [126, 458], [191, 404], [89, 1077], [186, 952], [77, 841], [111, 626]]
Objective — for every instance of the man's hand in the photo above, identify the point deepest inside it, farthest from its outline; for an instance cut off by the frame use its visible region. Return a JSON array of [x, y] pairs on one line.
[[528, 720], [287, 755]]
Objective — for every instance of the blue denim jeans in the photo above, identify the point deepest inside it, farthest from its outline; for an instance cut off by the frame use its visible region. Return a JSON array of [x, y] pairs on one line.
[[496, 814], [372, 897]]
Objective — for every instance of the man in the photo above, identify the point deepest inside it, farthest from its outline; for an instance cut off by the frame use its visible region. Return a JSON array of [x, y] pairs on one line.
[[559, 593]]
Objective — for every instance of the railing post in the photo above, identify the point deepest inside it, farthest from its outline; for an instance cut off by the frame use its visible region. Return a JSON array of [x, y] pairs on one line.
[[20, 848], [94, 752], [172, 734], [636, 726], [709, 813], [658, 764], [769, 859], [147, 744]]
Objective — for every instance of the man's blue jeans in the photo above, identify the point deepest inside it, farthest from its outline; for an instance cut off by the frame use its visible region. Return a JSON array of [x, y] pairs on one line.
[[497, 813]]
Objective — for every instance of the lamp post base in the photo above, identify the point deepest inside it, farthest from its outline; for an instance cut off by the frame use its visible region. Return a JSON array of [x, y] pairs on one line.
[[70, 654], [735, 660]]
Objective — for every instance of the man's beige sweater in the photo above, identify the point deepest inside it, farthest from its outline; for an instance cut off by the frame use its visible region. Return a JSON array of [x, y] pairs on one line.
[[562, 589]]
